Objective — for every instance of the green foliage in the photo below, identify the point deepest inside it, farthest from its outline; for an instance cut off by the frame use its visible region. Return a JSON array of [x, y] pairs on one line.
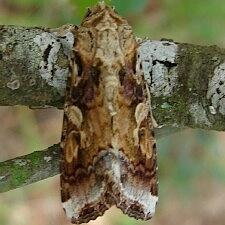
[[126, 7], [83, 5], [26, 3], [124, 220], [203, 19], [187, 157]]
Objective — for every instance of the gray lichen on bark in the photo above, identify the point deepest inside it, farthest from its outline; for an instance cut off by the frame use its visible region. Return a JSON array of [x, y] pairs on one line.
[[180, 77], [216, 90], [157, 59], [33, 65], [50, 45], [183, 78]]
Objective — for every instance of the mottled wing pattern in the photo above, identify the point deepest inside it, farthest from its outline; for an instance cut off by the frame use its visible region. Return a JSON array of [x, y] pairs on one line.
[[108, 151], [86, 129]]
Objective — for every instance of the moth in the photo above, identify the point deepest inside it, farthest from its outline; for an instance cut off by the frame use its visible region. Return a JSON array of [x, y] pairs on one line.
[[108, 149]]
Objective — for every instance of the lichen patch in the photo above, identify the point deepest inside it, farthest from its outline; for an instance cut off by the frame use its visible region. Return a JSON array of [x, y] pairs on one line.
[[158, 62], [50, 45], [216, 89], [2, 177], [14, 84], [199, 114], [20, 162], [47, 158], [67, 42]]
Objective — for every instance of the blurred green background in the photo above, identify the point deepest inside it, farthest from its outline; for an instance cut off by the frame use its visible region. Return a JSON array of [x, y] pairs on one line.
[[191, 163]]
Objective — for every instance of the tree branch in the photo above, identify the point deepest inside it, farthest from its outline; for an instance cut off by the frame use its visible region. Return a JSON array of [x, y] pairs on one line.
[[34, 65], [187, 81], [28, 169], [187, 84]]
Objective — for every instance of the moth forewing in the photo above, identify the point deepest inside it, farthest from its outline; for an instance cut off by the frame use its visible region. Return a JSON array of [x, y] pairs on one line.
[[108, 147]]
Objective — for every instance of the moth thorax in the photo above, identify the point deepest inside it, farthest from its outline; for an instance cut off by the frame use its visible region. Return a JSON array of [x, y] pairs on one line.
[[110, 52], [111, 83]]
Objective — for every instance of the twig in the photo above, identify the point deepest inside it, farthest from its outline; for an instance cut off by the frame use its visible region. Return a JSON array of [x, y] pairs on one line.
[[30, 168], [39, 165]]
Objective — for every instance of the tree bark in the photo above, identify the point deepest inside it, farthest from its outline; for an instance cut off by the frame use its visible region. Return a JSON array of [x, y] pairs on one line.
[[34, 65], [28, 169], [187, 81]]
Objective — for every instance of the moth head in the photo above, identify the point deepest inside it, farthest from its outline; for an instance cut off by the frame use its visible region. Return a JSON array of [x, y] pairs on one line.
[[104, 17], [114, 34], [101, 14]]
